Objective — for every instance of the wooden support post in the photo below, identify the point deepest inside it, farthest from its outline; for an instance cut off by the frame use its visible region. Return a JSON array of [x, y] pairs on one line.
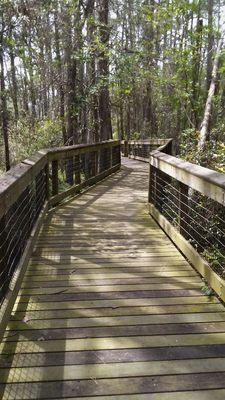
[[93, 162], [3, 260], [159, 189], [55, 178], [98, 161], [47, 182], [183, 207], [169, 148], [119, 151], [125, 154], [111, 156], [69, 169], [152, 185], [77, 170]]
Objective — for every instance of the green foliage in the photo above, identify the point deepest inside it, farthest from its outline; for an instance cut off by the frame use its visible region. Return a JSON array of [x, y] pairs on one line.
[[188, 144], [25, 139], [207, 290]]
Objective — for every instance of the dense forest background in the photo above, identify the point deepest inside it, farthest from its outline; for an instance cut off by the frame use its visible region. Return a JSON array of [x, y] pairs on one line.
[[78, 71]]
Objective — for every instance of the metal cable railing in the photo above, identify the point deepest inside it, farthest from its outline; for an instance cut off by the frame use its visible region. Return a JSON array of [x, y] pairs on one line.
[[17, 221], [191, 199]]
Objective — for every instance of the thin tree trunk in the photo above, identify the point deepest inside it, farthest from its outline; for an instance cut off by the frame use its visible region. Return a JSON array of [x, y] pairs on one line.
[[104, 99], [204, 132], [210, 43], [4, 111], [14, 84], [60, 79]]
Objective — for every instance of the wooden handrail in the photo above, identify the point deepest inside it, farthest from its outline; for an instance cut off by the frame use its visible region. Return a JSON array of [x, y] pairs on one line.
[[141, 149], [14, 182], [67, 151], [206, 181]]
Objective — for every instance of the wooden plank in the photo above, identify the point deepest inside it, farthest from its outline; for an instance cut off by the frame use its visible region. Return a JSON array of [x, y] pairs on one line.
[[153, 368], [36, 304], [73, 275], [111, 356], [152, 263], [109, 331], [115, 388], [117, 321], [64, 273], [191, 395], [61, 295], [109, 282], [108, 288], [41, 345], [92, 279], [113, 311], [73, 256], [114, 250]]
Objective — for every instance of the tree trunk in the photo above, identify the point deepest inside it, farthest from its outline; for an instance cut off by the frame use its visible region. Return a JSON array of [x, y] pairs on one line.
[[104, 99], [210, 44], [71, 77], [14, 84], [60, 78], [204, 132], [4, 111]]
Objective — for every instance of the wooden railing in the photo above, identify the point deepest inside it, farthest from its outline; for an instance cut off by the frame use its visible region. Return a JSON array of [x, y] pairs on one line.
[[141, 149], [188, 202], [27, 191]]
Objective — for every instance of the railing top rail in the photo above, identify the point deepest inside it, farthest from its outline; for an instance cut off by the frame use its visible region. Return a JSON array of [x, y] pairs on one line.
[[13, 182], [164, 144], [148, 141], [66, 151], [206, 181]]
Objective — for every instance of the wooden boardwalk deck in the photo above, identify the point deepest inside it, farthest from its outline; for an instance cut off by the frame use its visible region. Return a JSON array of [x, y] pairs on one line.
[[109, 309]]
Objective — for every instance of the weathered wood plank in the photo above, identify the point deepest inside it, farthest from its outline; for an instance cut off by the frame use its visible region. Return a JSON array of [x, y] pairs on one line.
[[36, 304], [81, 321], [107, 288], [69, 312], [61, 295], [117, 389], [83, 372], [42, 345], [112, 356]]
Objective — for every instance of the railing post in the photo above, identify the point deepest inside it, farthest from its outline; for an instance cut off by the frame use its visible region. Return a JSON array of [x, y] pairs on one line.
[[110, 156], [55, 178], [47, 181], [183, 207], [152, 185], [77, 170], [3, 259], [94, 164], [125, 154], [119, 154]]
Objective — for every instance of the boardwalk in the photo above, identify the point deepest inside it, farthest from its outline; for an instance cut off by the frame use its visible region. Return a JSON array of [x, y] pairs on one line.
[[109, 309]]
